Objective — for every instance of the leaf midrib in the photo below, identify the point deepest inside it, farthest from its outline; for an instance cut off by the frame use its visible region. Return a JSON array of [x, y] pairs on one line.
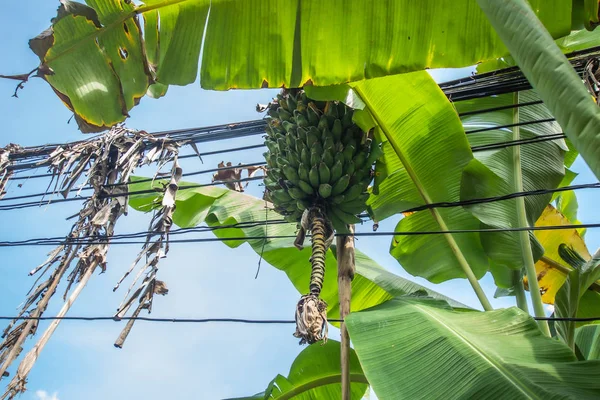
[[460, 257], [505, 373]]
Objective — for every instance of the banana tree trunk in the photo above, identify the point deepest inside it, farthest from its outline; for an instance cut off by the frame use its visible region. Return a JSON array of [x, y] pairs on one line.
[[346, 268]]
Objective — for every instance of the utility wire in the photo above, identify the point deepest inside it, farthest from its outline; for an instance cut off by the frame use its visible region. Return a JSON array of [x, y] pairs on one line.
[[149, 191], [233, 320], [481, 85], [105, 240], [498, 127], [503, 145], [86, 188], [490, 146], [61, 240], [414, 209], [181, 157]]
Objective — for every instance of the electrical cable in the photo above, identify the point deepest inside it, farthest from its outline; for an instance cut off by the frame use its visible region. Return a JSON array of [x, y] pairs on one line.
[[490, 146], [86, 188], [232, 320], [107, 240], [181, 157], [502, 81], [503, 145], [80, 198]]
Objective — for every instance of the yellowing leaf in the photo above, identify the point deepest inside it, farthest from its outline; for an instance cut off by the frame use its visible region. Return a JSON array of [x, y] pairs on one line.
[[551, 269]]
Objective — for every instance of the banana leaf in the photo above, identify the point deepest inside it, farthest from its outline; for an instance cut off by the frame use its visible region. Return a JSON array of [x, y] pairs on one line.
[[493, 173], [101, 58], [551, 269], [550, 74], [587, 339], [220, 208], [425, 152], [577, 40], [419, 348], [315, 374], [585, 272]]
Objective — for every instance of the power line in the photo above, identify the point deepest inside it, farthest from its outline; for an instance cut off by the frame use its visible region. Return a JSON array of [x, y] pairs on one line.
[[503, 145], [523, 123], [149, 191], [481, 85], [414, 209], [231, 320], [86, 188], [101, 240], [491, 146], [500, 108], [181, 157]]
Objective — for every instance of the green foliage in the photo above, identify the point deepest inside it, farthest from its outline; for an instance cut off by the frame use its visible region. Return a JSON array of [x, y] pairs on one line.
[[493, 173], [315, 374], [550, 74], [414, 347], [99, 68], [587, 339], [425, 151], [571, 294], [219, 207]]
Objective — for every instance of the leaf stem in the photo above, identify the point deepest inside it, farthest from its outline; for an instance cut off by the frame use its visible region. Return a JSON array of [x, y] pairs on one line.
[[326, 380], [526, 252], [520, 290]]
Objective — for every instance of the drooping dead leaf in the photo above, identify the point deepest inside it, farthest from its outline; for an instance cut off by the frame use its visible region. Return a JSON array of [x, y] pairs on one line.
[[231, 176], [104, 163]]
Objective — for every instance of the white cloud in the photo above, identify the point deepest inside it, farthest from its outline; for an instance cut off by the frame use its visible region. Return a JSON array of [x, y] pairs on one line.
[[43, 395], [550, 308]]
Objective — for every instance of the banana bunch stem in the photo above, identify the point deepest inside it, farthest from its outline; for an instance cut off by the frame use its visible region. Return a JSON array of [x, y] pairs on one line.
[[311, 311]]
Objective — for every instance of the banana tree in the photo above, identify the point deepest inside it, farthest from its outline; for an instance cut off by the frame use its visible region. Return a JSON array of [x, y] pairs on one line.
[[406, 143], [100, 64]]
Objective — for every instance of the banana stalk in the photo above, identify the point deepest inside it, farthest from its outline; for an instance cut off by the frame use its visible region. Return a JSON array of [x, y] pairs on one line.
[[311, 311]]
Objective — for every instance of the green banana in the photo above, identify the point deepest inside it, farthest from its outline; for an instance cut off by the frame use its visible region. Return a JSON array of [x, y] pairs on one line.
[[327, 158], [338, 199], [291, 173], [347, 118], [313, 117], [303, 172], [296, 193], [336, 130], [284, 115], [324, 173], [353, 192], [324, 190], [315, 158], [323, 124], [288, 126], [340, 185], [345, 217], [349, 152], [311, 139], [336, 171], [350, 168], [306, 188], [301, 120], [280, 196], [305, 156], [302, 204], [313, 176]]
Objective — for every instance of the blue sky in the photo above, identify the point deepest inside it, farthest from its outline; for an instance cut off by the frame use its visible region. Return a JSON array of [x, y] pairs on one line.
[[208, 361]]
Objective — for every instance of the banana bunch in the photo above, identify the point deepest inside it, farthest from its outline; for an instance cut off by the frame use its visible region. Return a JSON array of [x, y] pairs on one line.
[[317, 157]]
